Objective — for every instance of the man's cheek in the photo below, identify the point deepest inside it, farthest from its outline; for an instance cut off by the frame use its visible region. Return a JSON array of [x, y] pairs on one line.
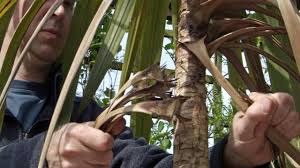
[[67, 27]]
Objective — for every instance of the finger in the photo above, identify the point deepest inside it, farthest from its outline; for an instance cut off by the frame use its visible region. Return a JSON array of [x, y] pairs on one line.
[[260, 129], [92, 138], [97, 158], [288, 125], [117, 126], [94, 157], [259, 112], [104, 165], [76, 151], [77, 163], [285, 105], [255, 95], [69, 147], [90, 123]]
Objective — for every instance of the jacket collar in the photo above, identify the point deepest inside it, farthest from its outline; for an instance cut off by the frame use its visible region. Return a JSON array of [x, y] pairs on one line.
[[54, 84]]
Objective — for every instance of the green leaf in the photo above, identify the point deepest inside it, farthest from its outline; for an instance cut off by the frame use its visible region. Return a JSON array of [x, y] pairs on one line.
[[166, 144], [5, 5], [105, 102], [110, 47], [82, 18], [144, 49], [132, 46], [5, 16], [161, 126], [280, 80], [169, 46], [175, 8], [109, 92], [235, 78], [217, 103], [83, 15]]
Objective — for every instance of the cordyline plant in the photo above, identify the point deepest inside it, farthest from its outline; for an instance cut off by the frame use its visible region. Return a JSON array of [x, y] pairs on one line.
[[208, 26]]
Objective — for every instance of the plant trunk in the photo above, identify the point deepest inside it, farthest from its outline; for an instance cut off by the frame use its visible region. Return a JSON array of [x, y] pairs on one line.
[[191, 132]]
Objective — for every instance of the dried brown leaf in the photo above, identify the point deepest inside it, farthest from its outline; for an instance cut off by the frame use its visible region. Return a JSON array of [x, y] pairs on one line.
[[153, 72], [164, 109]]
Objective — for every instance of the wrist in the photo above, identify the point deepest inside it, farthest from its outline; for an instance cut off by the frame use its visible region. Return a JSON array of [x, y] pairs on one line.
[[232, 158]]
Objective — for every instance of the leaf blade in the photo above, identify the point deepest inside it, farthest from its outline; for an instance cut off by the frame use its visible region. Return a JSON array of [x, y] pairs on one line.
[[72, 74]]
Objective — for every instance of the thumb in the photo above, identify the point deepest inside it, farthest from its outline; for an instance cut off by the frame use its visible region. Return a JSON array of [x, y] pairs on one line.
[[90, 123]]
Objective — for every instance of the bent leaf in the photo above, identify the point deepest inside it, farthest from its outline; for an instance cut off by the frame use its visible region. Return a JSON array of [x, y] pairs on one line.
[[5, 16], [72, 74], [164, 109], [5, 5], [109, 49]]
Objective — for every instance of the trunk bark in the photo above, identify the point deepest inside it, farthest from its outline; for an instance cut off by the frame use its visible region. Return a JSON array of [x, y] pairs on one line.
[[191, 132]]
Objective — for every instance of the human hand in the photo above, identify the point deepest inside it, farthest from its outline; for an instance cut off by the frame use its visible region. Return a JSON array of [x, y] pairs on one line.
[[247, 144], [80, 145]]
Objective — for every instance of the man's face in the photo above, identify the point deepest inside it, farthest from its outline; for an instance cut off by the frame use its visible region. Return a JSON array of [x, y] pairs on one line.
[[50, 41]]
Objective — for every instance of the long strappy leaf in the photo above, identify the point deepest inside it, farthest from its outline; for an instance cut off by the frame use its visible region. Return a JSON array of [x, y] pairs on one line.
[[291, 19], [5, 16], [72, 74], [109, 49]]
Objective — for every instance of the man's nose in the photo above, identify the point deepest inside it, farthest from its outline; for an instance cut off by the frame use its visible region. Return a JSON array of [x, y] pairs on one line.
[[60, 11]]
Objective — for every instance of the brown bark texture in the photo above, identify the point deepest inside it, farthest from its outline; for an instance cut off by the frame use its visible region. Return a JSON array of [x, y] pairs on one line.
[[191, 132]]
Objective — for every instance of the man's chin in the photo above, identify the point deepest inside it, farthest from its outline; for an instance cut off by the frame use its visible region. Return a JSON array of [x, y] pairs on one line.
[[45, 50], [47, 54]]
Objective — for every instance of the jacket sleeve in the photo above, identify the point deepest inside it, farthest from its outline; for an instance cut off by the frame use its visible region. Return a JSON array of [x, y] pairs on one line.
[[132, 153], [216, 154], [24, 153], [138, 154]]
